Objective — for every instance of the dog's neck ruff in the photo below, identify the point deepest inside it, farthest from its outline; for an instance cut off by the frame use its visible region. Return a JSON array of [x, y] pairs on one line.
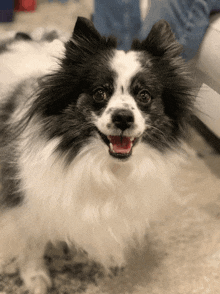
[[96, 202]]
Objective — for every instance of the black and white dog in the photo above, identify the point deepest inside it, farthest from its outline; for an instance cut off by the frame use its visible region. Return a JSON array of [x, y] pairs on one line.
[[88, 151]]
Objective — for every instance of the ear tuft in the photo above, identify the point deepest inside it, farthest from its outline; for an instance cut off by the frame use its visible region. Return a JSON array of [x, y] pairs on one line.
[[86, 41], [85, 29], [160, 41]]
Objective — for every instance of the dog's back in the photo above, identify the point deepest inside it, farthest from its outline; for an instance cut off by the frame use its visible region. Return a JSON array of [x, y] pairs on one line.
[[21, 57]]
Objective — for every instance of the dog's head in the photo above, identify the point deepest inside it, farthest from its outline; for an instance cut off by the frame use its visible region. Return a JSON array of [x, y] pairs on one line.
[[124, 98]]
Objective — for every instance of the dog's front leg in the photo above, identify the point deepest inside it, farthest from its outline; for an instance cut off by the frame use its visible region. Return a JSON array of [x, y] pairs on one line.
[[33, 268]]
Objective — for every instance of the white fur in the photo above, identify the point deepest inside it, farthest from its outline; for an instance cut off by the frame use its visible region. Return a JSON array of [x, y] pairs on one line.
[[24, 59], [126, 65], [97, 203]]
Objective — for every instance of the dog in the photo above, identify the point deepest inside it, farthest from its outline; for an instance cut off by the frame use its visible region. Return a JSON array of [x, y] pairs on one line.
[[90, 144]]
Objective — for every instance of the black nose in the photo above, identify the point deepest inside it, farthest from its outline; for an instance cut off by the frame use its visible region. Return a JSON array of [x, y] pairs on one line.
[[123, 118]]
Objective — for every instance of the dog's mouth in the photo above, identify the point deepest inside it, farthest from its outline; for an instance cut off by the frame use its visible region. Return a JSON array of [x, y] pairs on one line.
[[120, 146]]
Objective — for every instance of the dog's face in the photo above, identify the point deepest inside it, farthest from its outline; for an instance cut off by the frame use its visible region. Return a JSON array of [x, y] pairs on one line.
[[114, 103], [122, 98], [122, 123]]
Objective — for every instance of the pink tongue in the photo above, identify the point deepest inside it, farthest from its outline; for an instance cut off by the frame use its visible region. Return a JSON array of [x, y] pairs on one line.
[[121, 144]]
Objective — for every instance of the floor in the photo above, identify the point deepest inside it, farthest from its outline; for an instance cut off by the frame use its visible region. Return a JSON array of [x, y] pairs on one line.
[[182, 255]]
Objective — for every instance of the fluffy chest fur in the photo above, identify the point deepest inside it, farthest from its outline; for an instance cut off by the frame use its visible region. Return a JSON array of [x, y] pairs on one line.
[[95, 203]]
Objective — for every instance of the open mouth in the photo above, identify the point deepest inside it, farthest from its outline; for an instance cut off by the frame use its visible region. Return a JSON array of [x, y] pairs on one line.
[[119, 146]]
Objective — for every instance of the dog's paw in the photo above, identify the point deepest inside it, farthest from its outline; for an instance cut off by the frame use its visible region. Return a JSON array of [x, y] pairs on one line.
[[37, 283]]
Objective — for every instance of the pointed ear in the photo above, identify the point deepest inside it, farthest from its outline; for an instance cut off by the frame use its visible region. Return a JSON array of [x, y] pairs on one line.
[[84, 29], [160, 41], [86, 40]]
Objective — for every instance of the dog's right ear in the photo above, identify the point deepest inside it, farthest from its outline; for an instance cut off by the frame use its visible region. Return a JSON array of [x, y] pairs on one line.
[[85, 38], [86, 41], [84, 29]]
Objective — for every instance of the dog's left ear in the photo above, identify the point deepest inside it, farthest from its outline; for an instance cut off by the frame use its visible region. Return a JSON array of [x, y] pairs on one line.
[[160, 41]]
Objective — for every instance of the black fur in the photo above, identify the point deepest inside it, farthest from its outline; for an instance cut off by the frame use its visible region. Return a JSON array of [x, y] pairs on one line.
[[10, 195], [22, 36], [168, 79], [84, 67]]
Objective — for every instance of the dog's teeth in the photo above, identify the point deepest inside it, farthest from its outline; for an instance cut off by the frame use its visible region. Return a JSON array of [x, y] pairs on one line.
[[111, 147], [109, 138], [132, 138]]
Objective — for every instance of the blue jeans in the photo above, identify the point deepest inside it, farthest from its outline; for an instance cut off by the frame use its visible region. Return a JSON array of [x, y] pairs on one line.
[[188, 19], [6, 10]]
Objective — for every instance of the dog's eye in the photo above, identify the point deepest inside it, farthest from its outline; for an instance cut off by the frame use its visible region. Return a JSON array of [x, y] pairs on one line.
[[144, 96], [100, 95]]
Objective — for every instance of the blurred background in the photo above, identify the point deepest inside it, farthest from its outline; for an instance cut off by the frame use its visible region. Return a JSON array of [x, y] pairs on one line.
[[27, 15]]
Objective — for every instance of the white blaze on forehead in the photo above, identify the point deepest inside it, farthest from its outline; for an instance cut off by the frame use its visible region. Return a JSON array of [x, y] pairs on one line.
[[126, 65]]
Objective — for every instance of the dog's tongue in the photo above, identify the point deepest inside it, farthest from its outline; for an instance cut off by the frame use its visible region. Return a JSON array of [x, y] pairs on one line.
[[120, 144]]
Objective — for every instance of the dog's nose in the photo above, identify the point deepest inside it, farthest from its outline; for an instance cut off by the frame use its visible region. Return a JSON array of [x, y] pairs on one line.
[[123, 118]]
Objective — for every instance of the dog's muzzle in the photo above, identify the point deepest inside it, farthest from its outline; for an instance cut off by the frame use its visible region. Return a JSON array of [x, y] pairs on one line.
[[121, 146]]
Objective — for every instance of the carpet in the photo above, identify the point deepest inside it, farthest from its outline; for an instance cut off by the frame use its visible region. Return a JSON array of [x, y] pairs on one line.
[[182, 249]]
